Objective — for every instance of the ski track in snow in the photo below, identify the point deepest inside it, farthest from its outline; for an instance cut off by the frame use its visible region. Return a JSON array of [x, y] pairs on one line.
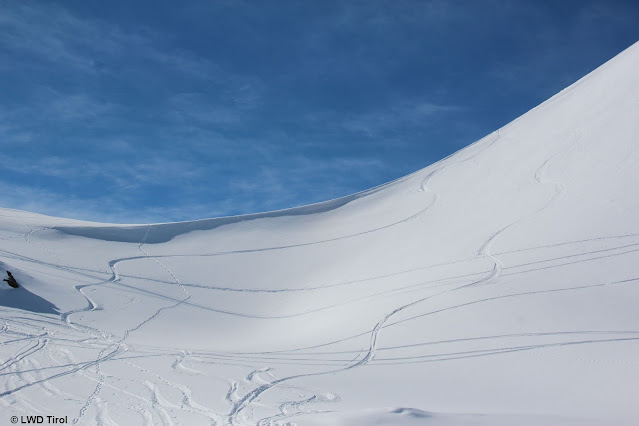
[[25, 370], [243, 403], [111, 349], [483, 251], [121, 346]]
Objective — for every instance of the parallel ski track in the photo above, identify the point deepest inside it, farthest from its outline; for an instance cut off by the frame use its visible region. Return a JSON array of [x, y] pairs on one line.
[[113, 349], [245, 401]]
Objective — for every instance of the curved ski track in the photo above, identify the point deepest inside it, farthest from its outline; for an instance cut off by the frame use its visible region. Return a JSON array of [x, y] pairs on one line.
[[42, 335]]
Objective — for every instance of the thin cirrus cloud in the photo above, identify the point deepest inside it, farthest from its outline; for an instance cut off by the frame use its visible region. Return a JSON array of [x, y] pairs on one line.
[[401, 115], [184, 112]]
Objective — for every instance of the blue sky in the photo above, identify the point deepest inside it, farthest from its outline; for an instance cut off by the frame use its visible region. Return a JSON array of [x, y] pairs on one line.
[[122, 112]]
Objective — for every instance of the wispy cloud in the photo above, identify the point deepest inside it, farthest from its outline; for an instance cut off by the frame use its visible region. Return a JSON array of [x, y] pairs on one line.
[[196, 108], [101, 208], [397, 117], [235, 106], [50, 32], [288, 184], [81, 116], [266, 188], [42, 35]]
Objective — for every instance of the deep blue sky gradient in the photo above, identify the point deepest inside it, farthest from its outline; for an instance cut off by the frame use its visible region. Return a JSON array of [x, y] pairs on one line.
[[161, 111]]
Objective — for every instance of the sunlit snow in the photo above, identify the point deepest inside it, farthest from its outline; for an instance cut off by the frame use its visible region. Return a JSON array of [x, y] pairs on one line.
[[499, 286]]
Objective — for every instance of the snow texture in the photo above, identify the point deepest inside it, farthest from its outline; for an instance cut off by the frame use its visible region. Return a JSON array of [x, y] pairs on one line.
[[498, 286]]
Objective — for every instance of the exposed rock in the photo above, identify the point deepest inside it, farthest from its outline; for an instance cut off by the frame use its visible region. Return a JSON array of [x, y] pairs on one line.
[[11, 281]]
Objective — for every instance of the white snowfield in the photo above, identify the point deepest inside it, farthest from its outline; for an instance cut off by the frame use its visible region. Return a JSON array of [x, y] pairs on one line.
[[499, 286]]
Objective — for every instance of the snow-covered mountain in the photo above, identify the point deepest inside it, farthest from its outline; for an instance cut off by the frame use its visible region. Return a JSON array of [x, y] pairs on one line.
[[499, 286]]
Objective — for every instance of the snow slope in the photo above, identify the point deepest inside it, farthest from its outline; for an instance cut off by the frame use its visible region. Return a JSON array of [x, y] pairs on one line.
[[499, 286]]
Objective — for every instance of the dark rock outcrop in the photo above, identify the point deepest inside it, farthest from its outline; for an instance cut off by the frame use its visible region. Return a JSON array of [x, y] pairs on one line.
[[11, 281]]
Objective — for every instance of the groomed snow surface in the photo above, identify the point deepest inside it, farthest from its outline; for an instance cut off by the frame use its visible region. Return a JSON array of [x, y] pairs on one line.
[[499, 286]]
